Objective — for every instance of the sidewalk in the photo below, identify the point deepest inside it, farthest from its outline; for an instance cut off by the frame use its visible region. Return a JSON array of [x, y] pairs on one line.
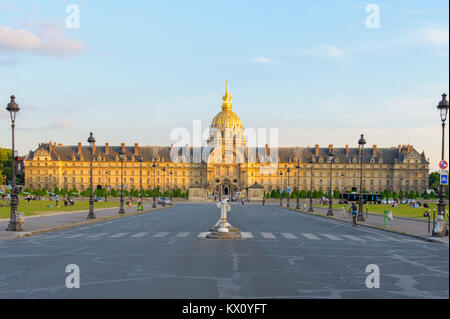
[[53, 221], [406, 226]]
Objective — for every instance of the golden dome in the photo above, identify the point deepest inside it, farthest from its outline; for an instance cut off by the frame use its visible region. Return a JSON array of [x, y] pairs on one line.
[[227, 118]]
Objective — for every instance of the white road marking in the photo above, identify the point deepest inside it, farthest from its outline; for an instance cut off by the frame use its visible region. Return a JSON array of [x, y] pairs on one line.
[[96, 235], [118, 235], [268, 235], [288, 236], [141, 234], [203, 234], [160, 235], [353, 237], [246, 234], [74, 236], [310, 236], [330, 236], [375, 238], [182, 234]]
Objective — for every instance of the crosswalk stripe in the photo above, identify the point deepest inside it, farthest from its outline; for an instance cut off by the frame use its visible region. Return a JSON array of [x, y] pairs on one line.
[[353, 237], [268, 235], [203, 234], [160, 235], [332, 237], [310, 236], [118, 235], [96, 235], [142, 234], [182, 234], [374, 238], [288, 236], [246, 235], [74, 236]]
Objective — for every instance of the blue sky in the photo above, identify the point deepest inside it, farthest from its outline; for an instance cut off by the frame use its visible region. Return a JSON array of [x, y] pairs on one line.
[[134, 71]]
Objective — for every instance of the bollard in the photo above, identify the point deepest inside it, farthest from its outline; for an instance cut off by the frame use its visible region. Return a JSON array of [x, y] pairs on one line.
[[434, 220], [429, 216]]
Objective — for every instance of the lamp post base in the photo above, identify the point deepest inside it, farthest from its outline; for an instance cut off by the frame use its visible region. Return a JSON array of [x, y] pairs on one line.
[[91, 215], [14, 226]]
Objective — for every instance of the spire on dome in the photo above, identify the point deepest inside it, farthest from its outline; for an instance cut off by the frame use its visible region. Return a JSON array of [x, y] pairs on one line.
[[226, 105]]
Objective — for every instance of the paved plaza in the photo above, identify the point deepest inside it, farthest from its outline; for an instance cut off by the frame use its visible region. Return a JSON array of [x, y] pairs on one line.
[[164, 254]]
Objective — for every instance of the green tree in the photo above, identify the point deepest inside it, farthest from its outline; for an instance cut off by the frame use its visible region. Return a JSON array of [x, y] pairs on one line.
[[434, 180]]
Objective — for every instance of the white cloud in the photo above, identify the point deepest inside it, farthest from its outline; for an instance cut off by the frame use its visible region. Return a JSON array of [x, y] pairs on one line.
[[325, 52], [433, 36], [263, 60], [51, 42]]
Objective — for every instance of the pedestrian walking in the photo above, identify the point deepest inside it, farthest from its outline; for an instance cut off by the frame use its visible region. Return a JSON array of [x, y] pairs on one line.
[[264, 201], [57, 200], [354, 215]]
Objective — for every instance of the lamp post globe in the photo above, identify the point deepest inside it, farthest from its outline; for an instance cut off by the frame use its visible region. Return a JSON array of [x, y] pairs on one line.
[[91, 141], [14, 225], [443, 107], [121, 157], [330, 195], [361, 144]]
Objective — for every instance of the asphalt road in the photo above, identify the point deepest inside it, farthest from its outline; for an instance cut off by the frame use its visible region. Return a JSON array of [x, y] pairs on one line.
[[164, 255]]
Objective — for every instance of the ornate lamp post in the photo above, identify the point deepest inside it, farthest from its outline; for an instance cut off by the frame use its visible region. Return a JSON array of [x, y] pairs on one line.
[[122, 157], [106, 185], [164, 184], [330, 195], [443, 107], [401, 189], [343, 189], [310, 209], [170, 187], [297, 206], [91, 141], [154, 185], [140, 176], [281, 188], [14, 224], [361, 144], [288, 187]]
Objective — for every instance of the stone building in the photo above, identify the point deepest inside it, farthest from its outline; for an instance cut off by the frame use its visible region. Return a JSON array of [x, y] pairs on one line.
[[226, 165]]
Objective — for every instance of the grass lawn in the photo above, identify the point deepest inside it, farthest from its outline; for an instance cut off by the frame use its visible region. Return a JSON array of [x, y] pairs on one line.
[[402, 210], [36, 207]]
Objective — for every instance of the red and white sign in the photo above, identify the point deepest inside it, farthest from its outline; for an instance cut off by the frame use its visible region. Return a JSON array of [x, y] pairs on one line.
[[443, 164]]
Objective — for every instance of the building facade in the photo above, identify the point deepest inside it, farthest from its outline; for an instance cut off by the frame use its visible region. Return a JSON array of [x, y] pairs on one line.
[[226, 165]]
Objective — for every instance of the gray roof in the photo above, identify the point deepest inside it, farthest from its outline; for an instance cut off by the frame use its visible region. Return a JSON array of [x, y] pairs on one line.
[[285, 154]]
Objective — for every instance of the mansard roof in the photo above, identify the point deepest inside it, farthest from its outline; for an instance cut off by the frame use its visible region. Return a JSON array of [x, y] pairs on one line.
[[285, 154]]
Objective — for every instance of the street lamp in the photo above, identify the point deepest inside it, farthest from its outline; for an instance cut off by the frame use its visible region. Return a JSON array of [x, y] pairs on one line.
[[401, 189], [164, 185], [330, 196], [154, 185], [140, 176], [343, 189], [297, 206], [122, 157], [310, 209], [106, 185], [14, 224], [288, 188], [281, 188], [443, 109], [170, 188], [361, 144], [91, 141]]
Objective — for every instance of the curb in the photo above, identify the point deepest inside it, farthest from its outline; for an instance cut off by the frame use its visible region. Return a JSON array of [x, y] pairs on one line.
[[374, 227], [76, 224]]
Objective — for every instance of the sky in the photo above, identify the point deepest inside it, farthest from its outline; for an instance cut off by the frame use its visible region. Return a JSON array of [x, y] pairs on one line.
[[322, 72]]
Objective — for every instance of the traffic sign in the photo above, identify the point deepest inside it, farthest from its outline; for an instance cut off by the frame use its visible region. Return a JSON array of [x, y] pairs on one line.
[[444, 179], [288, 189], [443, 164]]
